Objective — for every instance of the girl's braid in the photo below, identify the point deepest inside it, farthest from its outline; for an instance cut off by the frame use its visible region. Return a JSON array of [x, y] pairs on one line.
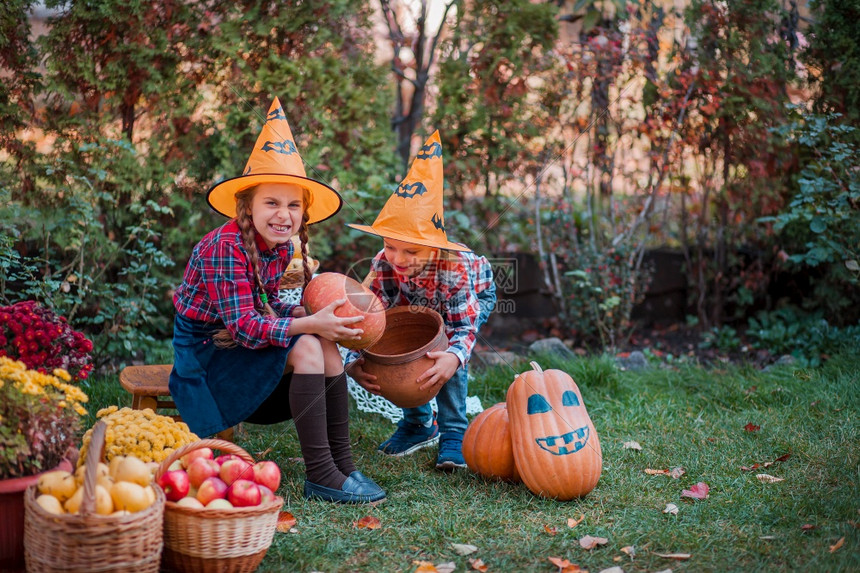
[[303, 237]]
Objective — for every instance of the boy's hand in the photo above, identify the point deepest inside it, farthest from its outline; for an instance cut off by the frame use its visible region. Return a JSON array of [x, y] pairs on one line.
[[445, 367], [365, 379]]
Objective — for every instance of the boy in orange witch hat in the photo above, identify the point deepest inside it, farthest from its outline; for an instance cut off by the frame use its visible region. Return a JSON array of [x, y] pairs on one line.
[[419, 265], [242, 354]]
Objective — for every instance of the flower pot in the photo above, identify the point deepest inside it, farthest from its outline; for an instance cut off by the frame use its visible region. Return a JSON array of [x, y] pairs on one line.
[[400, 356], [12, 518]]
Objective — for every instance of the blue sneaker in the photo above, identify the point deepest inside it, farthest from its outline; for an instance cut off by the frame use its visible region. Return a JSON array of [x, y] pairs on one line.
[[409, 438], [450, 452]]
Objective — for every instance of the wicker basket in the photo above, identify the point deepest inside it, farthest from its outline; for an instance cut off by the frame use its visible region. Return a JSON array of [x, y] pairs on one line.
[[87, 542], [294, 276], [216, 540]]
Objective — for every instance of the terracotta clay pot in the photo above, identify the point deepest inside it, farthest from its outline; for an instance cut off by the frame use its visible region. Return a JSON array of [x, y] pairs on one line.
[[326, 288], [400, 356]]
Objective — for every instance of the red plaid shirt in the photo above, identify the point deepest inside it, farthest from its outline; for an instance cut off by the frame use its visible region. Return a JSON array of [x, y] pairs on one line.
[[448, 285], [219, 287]]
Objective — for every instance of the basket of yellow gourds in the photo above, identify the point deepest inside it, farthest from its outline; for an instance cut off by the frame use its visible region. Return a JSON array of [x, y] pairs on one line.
[[101, 518]]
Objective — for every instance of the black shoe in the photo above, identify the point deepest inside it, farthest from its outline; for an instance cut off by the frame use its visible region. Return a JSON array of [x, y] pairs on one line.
[[363, 479], [352, 491]]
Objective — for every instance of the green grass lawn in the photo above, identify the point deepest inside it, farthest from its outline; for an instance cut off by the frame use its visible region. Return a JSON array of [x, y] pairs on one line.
[[682, 415]]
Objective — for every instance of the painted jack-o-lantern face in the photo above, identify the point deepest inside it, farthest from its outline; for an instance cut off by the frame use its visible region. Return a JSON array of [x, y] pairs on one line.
[[567, 443], [554, 442]]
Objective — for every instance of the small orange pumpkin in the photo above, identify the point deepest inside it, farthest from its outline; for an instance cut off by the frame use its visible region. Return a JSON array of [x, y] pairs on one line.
[[487, 446], [555, 445]]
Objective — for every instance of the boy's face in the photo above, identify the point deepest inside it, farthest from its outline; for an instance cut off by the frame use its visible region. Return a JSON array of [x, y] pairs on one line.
[[407, 259], [276, 210]]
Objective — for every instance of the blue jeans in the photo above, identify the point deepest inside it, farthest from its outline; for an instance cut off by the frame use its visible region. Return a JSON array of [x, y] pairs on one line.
[[451, 400]]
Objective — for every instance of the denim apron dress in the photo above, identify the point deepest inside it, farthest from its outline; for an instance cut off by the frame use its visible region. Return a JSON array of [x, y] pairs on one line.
[[216, 388]]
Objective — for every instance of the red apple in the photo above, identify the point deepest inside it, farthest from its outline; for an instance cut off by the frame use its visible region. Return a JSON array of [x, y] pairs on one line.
[[219, 503], [224, 457], [266, 495], [190, 502], [244, 493], [200, 469], [212, 488], [268, 474], [175, 484], [194, 454], [231, 470]]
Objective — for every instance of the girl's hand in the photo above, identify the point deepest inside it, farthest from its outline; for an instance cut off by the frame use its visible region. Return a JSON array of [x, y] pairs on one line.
[[333, 327], [363, 378], [445, 367]]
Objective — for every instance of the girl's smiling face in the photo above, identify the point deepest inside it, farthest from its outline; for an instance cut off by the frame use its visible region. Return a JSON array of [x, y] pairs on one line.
[[276, 210], [407, 259]]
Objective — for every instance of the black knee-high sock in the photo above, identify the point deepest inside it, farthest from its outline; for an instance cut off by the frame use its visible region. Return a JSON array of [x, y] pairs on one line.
[[308, 406], [337, 411]]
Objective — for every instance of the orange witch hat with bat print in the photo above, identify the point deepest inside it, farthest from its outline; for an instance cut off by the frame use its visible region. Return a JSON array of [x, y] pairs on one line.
[[275, 159], [414, 213]]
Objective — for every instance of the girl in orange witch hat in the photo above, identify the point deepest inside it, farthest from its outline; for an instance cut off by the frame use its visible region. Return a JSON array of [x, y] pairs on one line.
[[419, 265], [240, 353]]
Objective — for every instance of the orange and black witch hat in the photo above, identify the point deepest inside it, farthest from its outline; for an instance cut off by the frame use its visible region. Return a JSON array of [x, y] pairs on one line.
[[414, 213], [275, 159]]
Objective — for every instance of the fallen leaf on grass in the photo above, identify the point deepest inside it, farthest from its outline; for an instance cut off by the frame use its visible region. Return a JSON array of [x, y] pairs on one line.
[[807, 527], [752, 427], [632, 446], [698, 491], [615, 569], [263, 454], [750, 390], [565, 566], [589, 542], [767, 537], [367, 522], [835, 547], [447, 567], [551, 530], [678, 556], [629, 550], [757, 465], [571, 522], [766, 478], [286, 521], [478, 565], [671, 508], [674, 473], [651, 472], [463, 548], [425, 567]]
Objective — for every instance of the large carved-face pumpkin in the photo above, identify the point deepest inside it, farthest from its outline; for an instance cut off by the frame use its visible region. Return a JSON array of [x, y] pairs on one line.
[[555, 445], [487, 446]]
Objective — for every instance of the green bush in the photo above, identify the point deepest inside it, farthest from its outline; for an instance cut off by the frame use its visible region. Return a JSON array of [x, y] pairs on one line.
[[821, 226], [810, 338]]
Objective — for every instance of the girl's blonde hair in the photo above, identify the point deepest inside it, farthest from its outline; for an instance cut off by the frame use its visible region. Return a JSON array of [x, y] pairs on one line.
[[222, 337]]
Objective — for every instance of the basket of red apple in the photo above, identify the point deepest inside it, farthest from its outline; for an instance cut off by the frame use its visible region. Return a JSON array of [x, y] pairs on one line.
[[221, 511]]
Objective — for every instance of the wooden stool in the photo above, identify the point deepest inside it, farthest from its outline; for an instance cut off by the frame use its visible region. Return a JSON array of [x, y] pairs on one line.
[[148, 387]]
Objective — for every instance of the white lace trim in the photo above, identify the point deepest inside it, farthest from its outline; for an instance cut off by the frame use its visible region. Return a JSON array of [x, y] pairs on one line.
[[371, 403]]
